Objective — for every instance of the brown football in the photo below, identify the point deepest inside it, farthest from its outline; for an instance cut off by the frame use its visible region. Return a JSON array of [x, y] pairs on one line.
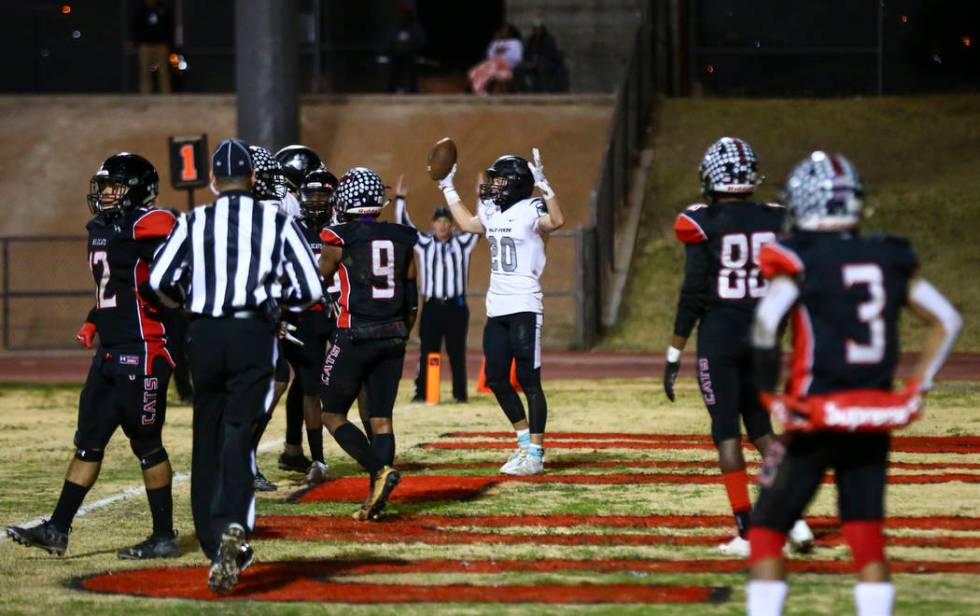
[[442, 157]]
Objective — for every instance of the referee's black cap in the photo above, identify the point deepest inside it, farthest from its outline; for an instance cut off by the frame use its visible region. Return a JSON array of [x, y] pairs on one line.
[[231, 159], [442, 212]]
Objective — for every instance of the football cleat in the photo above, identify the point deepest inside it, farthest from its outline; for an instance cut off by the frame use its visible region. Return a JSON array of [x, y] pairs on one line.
[[801, 538], [527, 465], [296, 462], [154, 546], [736, 547], [262, 484], [381, 487], [246, 556], [226, 567], [44, 536], [513, 461], [316, 474]]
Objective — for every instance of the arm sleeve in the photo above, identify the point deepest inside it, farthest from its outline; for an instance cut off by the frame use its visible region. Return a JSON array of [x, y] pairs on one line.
[[928, 298], [301, 268], [694, 290], [169, 264], [769, 312]]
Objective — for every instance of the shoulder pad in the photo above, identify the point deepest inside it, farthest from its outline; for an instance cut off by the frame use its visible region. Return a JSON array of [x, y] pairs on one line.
[[900, 251], [332, 235], [776, 259], [539, 206], [154, 223], [688, 227]]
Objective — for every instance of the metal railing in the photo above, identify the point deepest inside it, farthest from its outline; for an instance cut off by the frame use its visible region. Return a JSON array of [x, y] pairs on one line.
[[634, 96]]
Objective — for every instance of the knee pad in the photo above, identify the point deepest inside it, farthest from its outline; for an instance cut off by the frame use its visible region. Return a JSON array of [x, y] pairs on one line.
[[152, 459], [866, 540], [765, 543], [89, 455], [149, 450]]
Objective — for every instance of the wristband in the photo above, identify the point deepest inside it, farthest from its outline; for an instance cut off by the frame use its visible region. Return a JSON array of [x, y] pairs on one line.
[[673, 355], [451, 195]]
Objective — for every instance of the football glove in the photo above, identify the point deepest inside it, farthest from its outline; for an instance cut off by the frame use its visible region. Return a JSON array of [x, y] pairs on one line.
[[446, 183], [671, 368], [86, 334], [537, 170]]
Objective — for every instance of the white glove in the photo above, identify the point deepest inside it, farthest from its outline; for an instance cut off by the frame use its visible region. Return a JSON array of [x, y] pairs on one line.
[[286, 333], [537, 170], [446, 183]]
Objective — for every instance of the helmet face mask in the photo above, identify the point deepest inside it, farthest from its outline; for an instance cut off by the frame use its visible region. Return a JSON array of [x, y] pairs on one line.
[[729, 167], [359, 193], [316, 195], [824, 193], [122, 182], [296, 161], [270, 183], [510, 181]]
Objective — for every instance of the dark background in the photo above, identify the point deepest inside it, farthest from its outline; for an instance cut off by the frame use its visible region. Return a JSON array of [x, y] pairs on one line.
[[730, 47]]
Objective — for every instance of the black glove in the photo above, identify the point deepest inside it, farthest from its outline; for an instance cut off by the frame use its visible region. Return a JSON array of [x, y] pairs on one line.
[[671, 369]]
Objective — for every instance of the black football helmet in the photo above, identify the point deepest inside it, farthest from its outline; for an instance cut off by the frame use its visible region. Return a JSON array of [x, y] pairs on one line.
[[297, 161], [519, 182], [359, 193], [270, 182], [316, 195], [123, 182]]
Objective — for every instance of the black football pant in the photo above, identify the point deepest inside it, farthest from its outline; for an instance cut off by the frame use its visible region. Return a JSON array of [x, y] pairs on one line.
[[231, 362], [516, 338], [449, 320], [176, 323]]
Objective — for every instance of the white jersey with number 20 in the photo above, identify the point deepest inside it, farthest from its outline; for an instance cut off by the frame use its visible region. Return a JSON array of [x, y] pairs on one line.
[[517, 256]]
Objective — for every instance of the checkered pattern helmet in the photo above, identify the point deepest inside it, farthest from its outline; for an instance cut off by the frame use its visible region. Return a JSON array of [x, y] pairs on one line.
[[729, 167], [270, 183], [824, 192], [360, 193]]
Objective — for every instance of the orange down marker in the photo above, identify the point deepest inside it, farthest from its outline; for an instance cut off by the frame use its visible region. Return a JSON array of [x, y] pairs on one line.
[[433, 363], [481, 382]]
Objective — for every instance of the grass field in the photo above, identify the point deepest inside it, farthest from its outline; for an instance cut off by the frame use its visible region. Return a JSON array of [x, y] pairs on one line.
[[617, 516], [918, 157]]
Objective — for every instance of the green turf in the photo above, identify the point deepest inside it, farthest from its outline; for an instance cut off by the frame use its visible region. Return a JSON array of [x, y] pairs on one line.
[[919, 156]]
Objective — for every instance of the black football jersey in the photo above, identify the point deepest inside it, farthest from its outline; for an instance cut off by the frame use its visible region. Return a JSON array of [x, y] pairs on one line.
[[845, 323], [727, 238], [120, 251], [372, 276]]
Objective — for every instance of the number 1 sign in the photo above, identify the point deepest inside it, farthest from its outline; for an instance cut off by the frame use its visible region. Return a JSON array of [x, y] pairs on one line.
[[189, 164]]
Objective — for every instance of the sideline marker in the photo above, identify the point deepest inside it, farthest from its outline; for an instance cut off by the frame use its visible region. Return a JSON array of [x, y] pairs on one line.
[[433, 365]]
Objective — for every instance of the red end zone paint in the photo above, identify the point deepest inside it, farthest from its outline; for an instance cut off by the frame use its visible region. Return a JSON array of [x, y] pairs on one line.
[[702, 464], [905, 447], [313, 581], [668, 438]]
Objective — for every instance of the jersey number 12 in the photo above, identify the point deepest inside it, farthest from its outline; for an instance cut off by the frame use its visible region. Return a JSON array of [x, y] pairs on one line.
[[100, 258]]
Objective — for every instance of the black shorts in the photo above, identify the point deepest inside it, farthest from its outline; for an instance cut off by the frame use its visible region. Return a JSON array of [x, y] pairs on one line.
[[117, 393], [796, 464], [281, 374], [374, 364], [509, 337], [724, 369], [314, 329]]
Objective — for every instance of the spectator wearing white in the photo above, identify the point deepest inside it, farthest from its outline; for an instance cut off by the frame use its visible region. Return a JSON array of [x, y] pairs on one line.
[[504, 53]]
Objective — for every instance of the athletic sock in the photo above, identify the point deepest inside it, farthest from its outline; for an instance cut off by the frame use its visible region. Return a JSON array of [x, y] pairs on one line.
[[384, 447], [314, 437], [536, 451], [524, 438], [162, 509], [70, 500], [737, 486], [874, 598], [765, 597], [259, 430], [353, 441]]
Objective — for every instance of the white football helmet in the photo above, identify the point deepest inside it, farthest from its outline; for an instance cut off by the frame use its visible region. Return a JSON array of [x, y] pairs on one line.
[[824, 193], [729, 167]]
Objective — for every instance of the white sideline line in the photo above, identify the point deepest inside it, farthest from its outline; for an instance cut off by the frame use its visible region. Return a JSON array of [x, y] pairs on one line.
[[130, 492]]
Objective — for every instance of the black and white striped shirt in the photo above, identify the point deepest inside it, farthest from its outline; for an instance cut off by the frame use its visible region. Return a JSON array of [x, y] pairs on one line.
[[443, 266], [233, 255]]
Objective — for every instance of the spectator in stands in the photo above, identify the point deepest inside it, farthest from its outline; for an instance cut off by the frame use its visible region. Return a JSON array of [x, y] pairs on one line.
[[504, 53], [401, 51], [543, 68], [152, 33]]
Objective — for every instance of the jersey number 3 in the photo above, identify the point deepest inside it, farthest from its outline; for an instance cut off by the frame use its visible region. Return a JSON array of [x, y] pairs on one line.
[[867, 274], [100, 258], [383, 266], [735, 278]]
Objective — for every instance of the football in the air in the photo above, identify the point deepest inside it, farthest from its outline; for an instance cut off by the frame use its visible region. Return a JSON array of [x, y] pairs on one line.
[[442, 157]]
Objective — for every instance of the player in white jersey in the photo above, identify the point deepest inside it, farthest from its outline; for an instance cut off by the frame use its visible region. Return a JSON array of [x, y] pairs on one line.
[[514, 223]]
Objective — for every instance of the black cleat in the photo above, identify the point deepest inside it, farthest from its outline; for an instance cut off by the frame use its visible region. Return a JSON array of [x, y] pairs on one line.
[[262, 484], [44, 536], [226, 567], [296, 462], [381, 487], [246, 556], [155, 546]]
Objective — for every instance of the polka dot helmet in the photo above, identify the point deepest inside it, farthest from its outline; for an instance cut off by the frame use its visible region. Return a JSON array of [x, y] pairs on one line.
[[270, 183], [360, 193], [729, 167], [824, 192]]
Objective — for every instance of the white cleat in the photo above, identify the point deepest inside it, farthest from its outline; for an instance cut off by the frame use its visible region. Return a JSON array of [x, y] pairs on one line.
[[801, 538], [513, 461], [528, 465], [736, 547], [316, 474]]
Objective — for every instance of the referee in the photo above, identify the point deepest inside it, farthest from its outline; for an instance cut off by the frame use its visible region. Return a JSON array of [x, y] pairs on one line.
[[443, 259], [231, 264]]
